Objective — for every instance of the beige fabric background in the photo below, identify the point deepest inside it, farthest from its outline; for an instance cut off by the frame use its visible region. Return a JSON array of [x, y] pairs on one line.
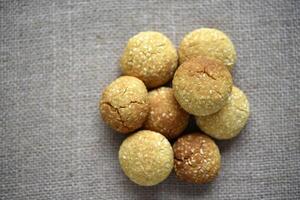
[[57, 56]]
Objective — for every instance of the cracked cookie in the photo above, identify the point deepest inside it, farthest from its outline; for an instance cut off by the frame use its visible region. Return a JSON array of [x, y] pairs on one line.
[[196, 158], [124, 105], [209, 43], [151, 57], [202, 86], [146, 157], [230, 120], [165, 115]]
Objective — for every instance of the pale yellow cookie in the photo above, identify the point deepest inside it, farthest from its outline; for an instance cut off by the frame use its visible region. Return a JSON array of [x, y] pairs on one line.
[[151, 57], [202, 86], [210, 43], [230, 120], [146, 157]]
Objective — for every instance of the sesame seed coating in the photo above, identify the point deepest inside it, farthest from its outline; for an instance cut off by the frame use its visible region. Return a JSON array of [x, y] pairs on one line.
[[202, 86], [209, 43], [230, 120], [151, 57], [165, 115], [124, 104], [197, 158], [146, 157]]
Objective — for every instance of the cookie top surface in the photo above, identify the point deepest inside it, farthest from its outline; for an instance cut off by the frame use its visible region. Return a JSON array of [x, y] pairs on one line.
[[197, 158], [202, 86], [229, 121], [146, 157], [208, 42], [151, 57], [124, 104], [165, 115]]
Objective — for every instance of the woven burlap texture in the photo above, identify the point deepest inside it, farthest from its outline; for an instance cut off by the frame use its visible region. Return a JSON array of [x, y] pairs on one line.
[[57, 56]]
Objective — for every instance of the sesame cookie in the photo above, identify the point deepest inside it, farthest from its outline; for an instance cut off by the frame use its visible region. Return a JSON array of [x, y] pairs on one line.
[[210, 43], [230, 120], [197, 158], [165, 115], [202, 86], [146, 157], [124, 104], [151, 57]]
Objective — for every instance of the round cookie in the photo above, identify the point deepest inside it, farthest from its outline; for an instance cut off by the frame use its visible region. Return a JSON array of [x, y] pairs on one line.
[[208, 42], [165, 115], [202, 86], [124, 104], [230, 120], [197, 158], [146, 157], [151, 57]]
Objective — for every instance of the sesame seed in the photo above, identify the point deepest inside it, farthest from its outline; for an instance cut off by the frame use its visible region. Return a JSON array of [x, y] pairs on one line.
[[201, 151]]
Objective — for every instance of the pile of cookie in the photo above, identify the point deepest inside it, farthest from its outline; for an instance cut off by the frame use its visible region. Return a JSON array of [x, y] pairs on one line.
[[155, 116]]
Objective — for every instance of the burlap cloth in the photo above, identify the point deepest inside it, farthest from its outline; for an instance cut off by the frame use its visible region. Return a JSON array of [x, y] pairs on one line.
[[57, 56]]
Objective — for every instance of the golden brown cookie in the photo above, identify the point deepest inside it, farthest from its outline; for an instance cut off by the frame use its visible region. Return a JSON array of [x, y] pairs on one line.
[[197, 158], [165, 115], [230, 120], [146, 157], [151, 57], [124, 104], [210, 43], [202, 86]]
